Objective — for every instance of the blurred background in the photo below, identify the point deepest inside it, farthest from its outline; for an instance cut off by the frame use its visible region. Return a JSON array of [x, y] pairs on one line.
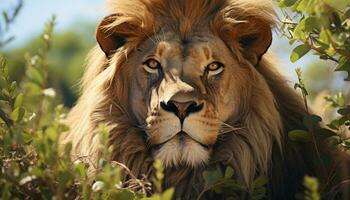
[[74, 37]]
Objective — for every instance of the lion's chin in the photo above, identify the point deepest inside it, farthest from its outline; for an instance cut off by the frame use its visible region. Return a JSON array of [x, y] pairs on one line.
[[182, 150]]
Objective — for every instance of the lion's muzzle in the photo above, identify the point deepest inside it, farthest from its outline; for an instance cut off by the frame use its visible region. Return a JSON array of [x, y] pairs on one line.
[[182, 109]]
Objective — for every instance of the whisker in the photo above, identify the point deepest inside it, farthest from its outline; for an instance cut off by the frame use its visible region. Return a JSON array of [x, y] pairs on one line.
[[163, 34], [157, 37], [227, 128], [149, 37], [120, 107]]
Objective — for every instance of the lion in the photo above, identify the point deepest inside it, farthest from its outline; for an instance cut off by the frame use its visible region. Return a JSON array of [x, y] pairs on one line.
[[190, 83]]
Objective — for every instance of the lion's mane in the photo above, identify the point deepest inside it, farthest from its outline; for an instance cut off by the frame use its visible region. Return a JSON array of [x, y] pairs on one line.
[[260, 148]]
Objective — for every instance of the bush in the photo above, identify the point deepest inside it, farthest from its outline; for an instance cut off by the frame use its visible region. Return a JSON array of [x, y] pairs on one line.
[[31, 165]]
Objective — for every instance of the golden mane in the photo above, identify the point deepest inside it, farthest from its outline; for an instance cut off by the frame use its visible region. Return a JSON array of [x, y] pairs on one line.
[[272, 110]]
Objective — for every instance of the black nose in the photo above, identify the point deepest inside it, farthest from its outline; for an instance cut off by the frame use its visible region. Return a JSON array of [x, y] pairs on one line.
[[181, 109]]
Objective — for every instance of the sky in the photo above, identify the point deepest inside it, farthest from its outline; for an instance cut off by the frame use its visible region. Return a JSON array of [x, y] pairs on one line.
[[35, 13], [69, 13]]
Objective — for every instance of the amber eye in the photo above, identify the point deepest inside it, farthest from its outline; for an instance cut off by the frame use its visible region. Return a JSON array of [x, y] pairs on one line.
[[152, 66], [215, 68]]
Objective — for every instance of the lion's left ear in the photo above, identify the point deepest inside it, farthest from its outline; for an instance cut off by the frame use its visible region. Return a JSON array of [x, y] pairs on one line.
[[111, 37], [254, 38]]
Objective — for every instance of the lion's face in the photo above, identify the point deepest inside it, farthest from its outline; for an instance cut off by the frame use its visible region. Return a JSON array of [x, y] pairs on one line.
[[185, 82], [182, 92]]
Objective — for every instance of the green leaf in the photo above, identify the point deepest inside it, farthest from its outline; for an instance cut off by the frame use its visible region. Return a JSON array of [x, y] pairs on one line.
[[311, 121], [344, 65], [51, 133], [6, 17], [18, 101], [80, 169], [36, 76], [229, 183], [337, 4], [306, 26], [287, 3], [18, 114], [335, 124], [300, 5], [344, 111], [259, 193], [299, 31], [6, 93], [32, 89], [158, 166], [347, 14], [311, 184], [13, 86], [324, 20], [229, 172], [299, 52], [299, 136], [292, 41], [305, 6], [260, 181], [211, 177], [64, 178], [68, 148], [168, 194], [125, 195], [324, 133], [324, 36]]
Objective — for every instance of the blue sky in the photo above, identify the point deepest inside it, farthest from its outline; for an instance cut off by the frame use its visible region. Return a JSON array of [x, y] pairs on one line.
[[35, 13]]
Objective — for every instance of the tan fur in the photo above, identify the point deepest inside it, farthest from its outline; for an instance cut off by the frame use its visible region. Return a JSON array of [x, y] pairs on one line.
[[264, 109]]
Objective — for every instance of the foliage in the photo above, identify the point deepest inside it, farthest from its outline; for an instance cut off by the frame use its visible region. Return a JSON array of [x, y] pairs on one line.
[[65, 61], [311, 189], [8, 17], [227, 187], [31, 165], [324, 27], [321, 27]]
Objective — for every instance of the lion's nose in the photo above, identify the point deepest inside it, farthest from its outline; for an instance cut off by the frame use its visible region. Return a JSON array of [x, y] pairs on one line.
[[181, 109]]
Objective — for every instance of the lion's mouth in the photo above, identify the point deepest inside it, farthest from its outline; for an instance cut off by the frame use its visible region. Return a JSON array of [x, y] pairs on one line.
[[182, 135]]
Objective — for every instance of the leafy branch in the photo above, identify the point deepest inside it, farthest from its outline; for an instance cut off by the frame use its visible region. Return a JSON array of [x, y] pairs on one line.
[[319, 25], [8, 18]]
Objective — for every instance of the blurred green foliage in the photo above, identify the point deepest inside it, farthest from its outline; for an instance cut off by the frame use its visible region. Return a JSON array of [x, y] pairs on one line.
[[323, 28], [66, 60], [33, 165], [319, 25], [7, 19]]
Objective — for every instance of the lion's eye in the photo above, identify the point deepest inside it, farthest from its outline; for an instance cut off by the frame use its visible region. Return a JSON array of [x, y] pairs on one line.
[[151, 66], [215, 68]]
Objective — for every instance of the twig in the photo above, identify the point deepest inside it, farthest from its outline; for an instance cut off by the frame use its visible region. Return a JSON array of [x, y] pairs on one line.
[[9, 18], [6, 118], [143, 187], [206, 189], [337, 187], [319, 50], [25, 190]]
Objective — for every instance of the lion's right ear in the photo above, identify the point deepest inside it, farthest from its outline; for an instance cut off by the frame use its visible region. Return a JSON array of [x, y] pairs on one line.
[[254, 36], [109, 37]]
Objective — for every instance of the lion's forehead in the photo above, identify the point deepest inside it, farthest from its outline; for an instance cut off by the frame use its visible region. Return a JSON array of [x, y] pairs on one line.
[[176, 54]]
